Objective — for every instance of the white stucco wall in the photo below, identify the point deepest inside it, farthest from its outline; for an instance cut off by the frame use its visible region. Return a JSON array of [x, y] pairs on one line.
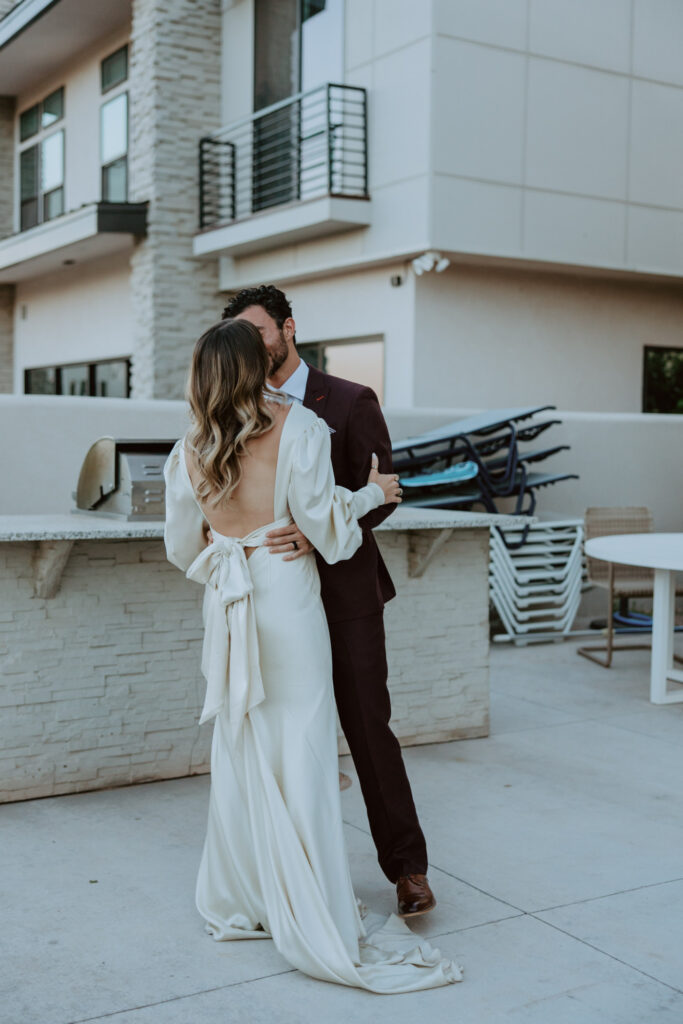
[[536, 130], [553, 135], [491, 338], [82, 313]]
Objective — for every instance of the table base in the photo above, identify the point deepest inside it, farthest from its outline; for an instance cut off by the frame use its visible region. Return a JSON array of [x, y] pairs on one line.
[[661, 669]]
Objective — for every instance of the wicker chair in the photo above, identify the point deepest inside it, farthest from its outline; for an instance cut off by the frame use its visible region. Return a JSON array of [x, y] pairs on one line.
[[622, 581]]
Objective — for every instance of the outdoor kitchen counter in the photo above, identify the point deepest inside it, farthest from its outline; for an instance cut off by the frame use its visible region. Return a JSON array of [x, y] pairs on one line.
[[100, 645], [83, 526]]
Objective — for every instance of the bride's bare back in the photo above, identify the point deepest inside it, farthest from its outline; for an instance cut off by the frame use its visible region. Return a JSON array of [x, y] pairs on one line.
[[251, 504]]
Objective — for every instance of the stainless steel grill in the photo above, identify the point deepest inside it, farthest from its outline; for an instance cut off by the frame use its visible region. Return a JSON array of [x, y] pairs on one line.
[[123, 479]]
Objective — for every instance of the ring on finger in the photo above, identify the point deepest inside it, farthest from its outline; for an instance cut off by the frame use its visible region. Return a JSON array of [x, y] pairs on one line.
[[295, 545]]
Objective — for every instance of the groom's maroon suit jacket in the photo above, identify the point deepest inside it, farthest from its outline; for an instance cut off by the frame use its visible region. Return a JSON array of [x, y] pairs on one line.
[[361, 584]]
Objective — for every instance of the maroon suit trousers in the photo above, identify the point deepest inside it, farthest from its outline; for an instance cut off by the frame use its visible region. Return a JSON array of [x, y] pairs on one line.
[[360, 686]]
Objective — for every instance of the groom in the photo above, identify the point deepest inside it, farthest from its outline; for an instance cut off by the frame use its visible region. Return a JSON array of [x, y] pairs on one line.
[[353, 593]]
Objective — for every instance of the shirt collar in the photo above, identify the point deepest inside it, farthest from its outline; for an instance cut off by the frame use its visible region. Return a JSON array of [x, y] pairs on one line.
[[295, 385]]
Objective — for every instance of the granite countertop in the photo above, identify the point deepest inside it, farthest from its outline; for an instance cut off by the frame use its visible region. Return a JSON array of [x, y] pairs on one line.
[[92, 527]]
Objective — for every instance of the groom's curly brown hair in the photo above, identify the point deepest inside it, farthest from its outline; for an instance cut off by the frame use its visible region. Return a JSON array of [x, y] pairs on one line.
[[267, 296]]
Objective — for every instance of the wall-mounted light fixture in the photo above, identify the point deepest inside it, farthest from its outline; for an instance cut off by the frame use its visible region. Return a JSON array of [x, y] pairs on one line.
[[430, 261]]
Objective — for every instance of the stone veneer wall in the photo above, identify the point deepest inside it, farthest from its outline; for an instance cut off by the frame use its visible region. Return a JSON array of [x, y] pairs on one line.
[[7, 107], [175, 99], [100, 686]]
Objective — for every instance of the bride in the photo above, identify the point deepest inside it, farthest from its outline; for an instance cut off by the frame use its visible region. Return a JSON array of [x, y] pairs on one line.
[[274, 862]]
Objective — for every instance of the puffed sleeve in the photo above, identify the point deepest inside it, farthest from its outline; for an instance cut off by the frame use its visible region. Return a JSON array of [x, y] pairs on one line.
[[183, 534], [326, 514]]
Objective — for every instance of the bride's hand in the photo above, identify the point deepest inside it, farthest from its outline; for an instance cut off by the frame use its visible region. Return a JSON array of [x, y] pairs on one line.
[[387, 481]]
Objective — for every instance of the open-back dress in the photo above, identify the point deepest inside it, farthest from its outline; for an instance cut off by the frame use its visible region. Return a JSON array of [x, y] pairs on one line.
[[274, 862]]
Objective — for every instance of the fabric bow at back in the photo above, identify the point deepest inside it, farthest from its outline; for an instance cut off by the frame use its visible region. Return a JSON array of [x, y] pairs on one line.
[[230, 655]]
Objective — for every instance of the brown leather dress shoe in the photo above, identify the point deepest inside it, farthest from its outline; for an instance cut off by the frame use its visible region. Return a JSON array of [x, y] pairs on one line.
[[414, 895]]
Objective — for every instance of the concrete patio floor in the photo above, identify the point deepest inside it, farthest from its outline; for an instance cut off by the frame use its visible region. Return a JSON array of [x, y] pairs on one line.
[[556, 853]]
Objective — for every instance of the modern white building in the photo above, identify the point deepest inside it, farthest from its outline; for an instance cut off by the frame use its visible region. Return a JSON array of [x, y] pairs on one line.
[[470, 203]]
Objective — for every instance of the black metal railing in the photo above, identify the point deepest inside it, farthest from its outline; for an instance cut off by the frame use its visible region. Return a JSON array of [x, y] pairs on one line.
[[310, 145]]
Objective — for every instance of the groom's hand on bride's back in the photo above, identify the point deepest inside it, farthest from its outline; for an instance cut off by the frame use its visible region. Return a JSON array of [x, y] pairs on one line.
[[288, 541]]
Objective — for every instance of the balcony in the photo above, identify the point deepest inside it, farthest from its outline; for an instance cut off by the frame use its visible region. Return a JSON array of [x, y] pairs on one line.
[[94, 230], [293, 171]]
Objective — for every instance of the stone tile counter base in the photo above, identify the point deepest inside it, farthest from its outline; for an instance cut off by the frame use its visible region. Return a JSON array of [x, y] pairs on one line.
[[100, 685]]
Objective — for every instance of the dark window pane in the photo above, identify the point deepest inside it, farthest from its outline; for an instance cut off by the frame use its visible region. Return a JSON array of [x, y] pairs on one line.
[[314, 355], [53, 204], [115, 182], [115, 69], [276, 77], [29, 214], [75, 380], [53, 108], [111, 379], [311, 7], [28, 172], [29, 122], [276, 51], [42, 381], [663, 380]]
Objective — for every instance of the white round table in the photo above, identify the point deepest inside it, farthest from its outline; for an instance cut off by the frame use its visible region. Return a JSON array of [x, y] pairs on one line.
[[662, 552]]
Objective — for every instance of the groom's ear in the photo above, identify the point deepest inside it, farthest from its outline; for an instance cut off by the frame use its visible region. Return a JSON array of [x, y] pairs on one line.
[[289, 330]]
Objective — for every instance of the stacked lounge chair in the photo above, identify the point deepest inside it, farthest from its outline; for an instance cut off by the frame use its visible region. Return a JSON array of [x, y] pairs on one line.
[[536, 587], [537, 571], [490, 442]]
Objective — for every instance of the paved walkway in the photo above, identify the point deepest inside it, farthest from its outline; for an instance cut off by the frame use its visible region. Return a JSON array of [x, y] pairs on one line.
[[556, 850]]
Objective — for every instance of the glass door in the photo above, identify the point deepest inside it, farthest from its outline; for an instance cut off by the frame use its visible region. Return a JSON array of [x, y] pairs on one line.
[[298, 46]]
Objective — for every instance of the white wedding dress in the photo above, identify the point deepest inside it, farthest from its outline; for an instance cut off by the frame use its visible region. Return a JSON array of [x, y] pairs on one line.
[[274, 862]]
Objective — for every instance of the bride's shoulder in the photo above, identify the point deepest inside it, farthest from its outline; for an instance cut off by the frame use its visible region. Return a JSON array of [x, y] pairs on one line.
[[301, 418], [173, 467]]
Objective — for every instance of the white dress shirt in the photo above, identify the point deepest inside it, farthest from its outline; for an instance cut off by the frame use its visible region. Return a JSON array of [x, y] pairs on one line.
[[295, 385]]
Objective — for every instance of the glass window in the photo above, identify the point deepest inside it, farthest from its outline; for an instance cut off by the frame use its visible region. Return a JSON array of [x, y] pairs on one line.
[[114, 122], [53, 204], [114, 149], [115, 182], [28, 173], [663, 380], [52, 162], [53, 108], [359, 361], [29, 122], [115, 69], [75, 380], [42, 381], [314, 355], [311, 7], [111, 379], [41, 165], [52, 175], [108, 379]]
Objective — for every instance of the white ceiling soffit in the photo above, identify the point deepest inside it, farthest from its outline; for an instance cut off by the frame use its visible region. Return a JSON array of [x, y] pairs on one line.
[[39, 37]]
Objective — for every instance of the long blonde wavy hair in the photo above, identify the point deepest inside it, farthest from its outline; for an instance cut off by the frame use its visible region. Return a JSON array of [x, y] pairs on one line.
[[227, 404]]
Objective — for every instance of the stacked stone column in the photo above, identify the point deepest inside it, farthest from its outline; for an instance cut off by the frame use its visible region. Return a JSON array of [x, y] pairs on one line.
[[175, 99]]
